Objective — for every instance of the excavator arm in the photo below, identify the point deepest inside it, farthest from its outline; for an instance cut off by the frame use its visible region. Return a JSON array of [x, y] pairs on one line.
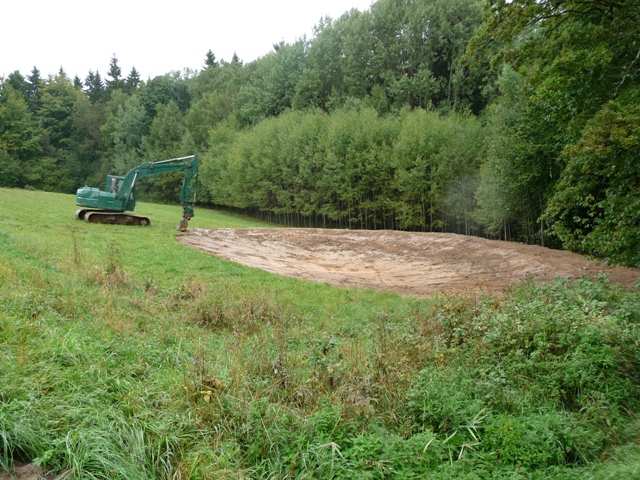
[[109, 206], [187, 165]]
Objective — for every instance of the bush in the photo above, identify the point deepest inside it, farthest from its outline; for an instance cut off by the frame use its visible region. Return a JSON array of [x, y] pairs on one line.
[[546, 379], [444, 400], [596, 203], [539, 440]]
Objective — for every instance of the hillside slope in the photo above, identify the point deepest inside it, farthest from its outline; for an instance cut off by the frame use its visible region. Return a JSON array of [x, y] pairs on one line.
[[126, 355]]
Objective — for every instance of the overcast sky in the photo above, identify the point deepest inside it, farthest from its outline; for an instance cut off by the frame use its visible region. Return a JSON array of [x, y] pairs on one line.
[[156, 36]]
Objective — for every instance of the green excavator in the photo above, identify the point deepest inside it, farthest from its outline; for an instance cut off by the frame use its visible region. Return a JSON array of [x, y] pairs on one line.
[[109, 206]]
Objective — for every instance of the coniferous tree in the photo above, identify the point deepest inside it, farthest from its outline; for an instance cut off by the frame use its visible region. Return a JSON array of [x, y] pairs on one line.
[[133, 80], [210, 60], [94, 86], [77, 82], [89, 80], [115, 73], [35, 89]]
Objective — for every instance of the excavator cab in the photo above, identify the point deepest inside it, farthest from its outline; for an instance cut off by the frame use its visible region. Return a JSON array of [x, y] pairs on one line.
[[113, 183]]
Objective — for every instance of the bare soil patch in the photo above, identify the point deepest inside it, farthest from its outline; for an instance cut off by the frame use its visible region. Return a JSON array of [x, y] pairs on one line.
[[403, 262], [24, 472]]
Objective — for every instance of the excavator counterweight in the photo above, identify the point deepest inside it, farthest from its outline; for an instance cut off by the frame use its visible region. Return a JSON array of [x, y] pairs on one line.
[[98, 206]]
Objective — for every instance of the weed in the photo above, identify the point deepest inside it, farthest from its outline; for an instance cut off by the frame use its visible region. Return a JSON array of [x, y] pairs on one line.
[[189, 291], [201, 384], [150, 286], [212, 313], [76, 248], [112, 275]]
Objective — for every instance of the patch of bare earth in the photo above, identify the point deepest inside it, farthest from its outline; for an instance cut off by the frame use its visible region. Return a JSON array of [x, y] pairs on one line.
[[24, 472], [403, 262]]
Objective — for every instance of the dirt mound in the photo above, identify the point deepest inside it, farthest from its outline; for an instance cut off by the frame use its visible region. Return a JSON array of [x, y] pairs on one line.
[[403, 262]]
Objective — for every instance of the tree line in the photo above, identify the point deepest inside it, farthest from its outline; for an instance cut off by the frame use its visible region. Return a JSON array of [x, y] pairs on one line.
[[351, 168], [517, 120]]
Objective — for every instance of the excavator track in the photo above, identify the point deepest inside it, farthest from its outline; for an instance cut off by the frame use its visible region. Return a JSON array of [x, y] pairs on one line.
[[81, 212], [112, 218]]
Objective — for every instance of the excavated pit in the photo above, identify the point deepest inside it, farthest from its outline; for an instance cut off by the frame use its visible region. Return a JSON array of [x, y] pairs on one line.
[[403, 262]]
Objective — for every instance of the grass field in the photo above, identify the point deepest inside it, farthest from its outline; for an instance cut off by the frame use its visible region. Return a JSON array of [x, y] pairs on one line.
[[125, 355]]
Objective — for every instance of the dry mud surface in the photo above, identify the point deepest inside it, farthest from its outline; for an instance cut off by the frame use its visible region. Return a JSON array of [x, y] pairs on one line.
[[402, 262]]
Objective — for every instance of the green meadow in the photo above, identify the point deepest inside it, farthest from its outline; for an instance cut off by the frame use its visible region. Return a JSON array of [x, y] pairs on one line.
[[126, 355]]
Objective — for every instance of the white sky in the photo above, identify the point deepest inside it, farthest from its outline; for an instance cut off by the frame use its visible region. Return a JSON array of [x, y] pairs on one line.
[[155, 36]]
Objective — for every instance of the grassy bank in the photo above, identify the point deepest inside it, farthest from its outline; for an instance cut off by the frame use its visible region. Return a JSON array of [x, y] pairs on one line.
[[124, 354]]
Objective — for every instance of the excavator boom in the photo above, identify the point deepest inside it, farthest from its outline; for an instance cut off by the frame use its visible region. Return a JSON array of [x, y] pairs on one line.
[[109, 206]]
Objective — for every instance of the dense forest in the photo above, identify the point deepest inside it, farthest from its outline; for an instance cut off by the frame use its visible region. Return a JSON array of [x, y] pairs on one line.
[[513, 119]]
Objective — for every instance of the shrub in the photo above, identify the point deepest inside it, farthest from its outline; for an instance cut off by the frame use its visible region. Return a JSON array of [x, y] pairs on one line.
[[444, 400], [596, 202]]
